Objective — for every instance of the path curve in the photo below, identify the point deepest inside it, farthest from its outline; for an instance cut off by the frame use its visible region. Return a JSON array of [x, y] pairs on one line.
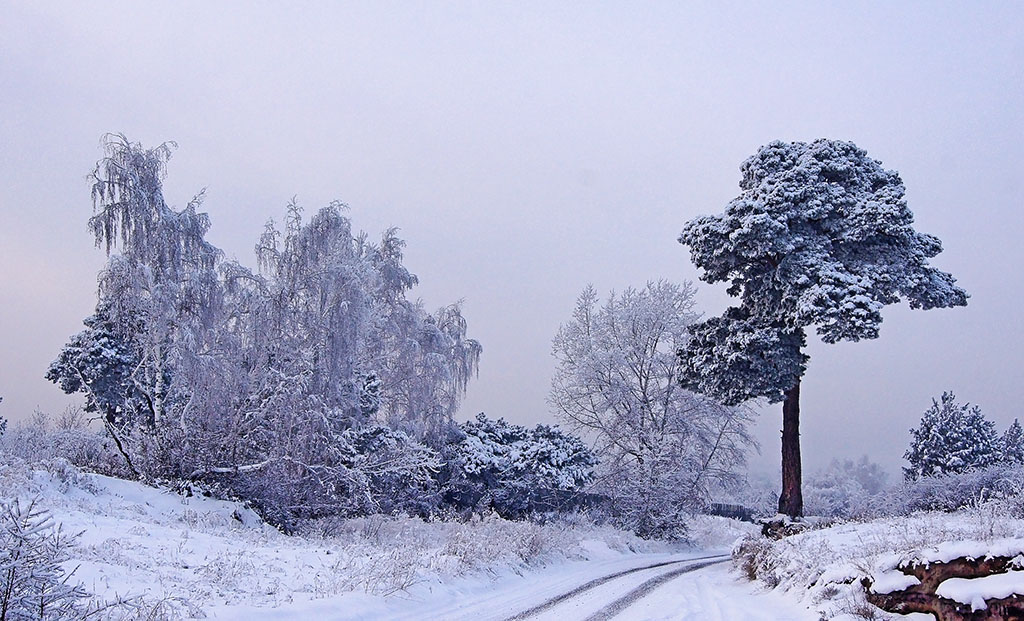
[[630, 597], [645, 589]]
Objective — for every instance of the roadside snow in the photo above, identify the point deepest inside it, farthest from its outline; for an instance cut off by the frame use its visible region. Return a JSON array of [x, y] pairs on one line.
[[474, 598], [716, 594]]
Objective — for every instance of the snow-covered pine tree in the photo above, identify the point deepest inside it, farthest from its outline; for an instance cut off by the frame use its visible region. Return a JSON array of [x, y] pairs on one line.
[[33, 580], [820, 236], [100, 362], [516, 470], [1013, 443], [951, 438]]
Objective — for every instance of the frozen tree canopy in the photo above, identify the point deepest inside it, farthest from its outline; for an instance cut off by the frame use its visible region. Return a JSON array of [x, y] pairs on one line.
[[662, 448], [312, 379], [1013, 443], [820, 236]]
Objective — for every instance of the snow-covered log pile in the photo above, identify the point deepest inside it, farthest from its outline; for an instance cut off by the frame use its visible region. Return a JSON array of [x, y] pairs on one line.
[[964, 580], [827, 567]]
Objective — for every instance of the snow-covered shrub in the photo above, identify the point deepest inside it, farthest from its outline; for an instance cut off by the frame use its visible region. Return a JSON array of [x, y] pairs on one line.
[[365, 470], [949, 492], [514, 470], [33, 582], [46, 443], [951, 438], [394, 471], [844, 488], [753, 555]]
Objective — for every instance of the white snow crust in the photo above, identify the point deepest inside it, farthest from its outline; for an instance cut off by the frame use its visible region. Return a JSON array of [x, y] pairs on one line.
[[974, 591]]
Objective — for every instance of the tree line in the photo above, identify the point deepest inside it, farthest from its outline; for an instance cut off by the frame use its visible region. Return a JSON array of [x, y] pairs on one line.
[[314, 384]]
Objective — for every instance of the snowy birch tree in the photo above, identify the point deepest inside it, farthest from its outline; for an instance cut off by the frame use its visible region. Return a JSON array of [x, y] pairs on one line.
[[290, 383], [820, 236], [662, 448]]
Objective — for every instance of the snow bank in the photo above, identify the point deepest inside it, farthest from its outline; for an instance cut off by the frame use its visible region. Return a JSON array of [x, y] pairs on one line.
[[971, 549], [187, 556]]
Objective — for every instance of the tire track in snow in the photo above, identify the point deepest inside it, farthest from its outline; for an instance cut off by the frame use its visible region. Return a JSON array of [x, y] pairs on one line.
[[645, 589], [597, 582]]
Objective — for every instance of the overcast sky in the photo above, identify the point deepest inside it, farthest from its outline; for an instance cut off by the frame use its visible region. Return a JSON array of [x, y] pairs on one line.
[[526, 149]]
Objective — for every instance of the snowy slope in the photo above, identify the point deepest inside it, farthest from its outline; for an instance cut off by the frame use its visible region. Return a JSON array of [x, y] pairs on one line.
[[199, 555], [204, 558]]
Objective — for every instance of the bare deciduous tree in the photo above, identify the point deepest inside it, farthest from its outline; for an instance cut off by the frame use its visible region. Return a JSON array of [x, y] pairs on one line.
[[663, 448]]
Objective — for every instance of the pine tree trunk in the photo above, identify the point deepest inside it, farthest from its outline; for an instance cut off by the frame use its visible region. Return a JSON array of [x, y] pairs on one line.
[[791, 500]]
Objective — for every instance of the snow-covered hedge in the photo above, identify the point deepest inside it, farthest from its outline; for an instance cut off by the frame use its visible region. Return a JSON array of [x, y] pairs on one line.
[[40, 440], [948, 492]]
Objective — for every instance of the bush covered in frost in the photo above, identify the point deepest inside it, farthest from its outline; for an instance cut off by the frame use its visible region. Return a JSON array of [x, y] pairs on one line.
[[33, 581], [41, 440], [513, 470], [950, 492]]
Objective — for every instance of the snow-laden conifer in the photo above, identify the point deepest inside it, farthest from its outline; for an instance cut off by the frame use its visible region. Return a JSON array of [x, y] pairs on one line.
[[820, 236], [34, 582], [516, 470], [951, 438], [1013, 443]]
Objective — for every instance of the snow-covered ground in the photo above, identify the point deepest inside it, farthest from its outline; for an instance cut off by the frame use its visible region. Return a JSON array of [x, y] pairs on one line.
[[200, 557]]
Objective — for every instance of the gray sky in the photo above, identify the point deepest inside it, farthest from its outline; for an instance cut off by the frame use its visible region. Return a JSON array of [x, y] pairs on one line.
[[526, 149]]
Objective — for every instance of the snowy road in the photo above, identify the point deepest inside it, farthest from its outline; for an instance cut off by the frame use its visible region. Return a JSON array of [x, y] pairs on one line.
[[606, 597], [651, 587], [665, 588]]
